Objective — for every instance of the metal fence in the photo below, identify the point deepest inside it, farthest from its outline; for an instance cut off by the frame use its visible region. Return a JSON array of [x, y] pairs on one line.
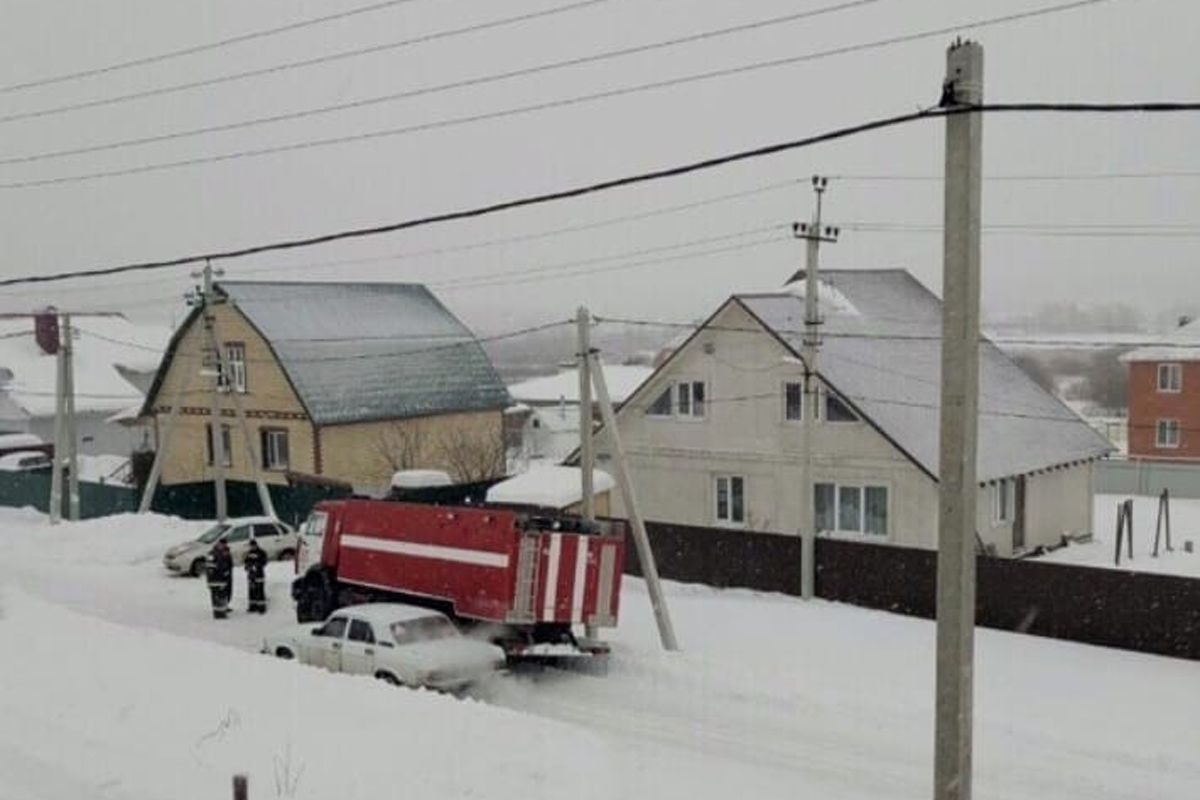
[[1129, 610], [1137, 476]]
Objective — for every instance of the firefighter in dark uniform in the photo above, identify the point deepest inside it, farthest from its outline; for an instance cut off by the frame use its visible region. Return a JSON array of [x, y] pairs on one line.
[[220, 578], [256, 565]]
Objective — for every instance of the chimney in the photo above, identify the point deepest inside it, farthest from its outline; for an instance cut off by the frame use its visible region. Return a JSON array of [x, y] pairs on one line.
[[45, 329]]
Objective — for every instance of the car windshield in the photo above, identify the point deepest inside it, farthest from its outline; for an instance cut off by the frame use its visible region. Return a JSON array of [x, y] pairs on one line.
[[423, 629], [212, 534]]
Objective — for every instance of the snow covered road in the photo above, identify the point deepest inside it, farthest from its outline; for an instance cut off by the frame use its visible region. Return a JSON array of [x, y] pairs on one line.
[[771, 698]]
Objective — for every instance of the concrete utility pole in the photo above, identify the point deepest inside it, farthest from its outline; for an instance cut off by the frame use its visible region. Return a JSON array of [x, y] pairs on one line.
[[666, 631], [72, 423], [958, 487], [587, 456], [60, 430], [165, 441], [814, 234], [216, 429]]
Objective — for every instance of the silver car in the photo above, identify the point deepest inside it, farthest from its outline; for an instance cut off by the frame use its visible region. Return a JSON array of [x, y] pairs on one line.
[[273, 536]]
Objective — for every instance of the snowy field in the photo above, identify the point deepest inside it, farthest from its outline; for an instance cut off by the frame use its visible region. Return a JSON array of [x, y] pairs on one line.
[[116, 683], [1185, 526]]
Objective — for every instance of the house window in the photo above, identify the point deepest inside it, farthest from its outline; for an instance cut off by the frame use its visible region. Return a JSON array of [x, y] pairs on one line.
[[686, 399], [836, 409], [851, 508], [1002, 501], [793, 401], [274, 448], [1170, 378], [731, 499], [226, 444], [1167, 433], [235, 361]]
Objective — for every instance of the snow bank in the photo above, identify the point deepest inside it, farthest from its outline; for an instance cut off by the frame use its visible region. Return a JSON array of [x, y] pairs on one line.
[[548, 487]]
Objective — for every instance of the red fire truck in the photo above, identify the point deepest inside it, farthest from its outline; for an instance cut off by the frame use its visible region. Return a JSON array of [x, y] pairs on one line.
[[530, 577]]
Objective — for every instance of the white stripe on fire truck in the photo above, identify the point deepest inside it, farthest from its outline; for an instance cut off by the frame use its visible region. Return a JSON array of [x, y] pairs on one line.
[[551, 595], [480, 558], [581, 554]]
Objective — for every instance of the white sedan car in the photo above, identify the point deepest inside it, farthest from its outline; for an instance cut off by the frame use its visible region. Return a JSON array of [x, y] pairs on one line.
[[401, 644]]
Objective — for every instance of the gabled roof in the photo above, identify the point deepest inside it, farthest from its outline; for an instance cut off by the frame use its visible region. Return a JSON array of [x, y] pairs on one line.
[[882, 352], [621, 379], [1181, 344], [356, 352]]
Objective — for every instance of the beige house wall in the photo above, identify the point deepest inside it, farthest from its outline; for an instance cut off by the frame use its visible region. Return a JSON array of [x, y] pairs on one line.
[[470, 446], [675, 461], [269, 402]]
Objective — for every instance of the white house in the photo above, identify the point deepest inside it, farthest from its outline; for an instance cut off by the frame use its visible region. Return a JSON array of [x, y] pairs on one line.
[[111, 357], [550, 428], [715, 434]]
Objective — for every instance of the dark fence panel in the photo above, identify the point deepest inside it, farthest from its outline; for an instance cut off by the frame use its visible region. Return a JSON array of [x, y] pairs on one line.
[[198, 500], [32, 489], [1139, 611], [720, 557]]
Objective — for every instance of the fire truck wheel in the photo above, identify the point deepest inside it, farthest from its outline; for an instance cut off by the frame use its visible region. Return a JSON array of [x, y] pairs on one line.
[[388, 677]]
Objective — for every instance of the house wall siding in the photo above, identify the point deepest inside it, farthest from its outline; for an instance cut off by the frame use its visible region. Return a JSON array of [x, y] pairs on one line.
[[269, 402], [366, 454], [1147, 405]]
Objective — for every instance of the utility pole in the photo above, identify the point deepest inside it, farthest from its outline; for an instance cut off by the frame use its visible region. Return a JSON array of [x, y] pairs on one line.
[[959, 423], [165, 440], [72, 424], [60, 429], [216, 428], [814, 234], [587, 456], [666, 631]]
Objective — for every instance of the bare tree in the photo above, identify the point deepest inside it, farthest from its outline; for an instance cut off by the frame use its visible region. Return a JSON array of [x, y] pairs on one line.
[[473, 452], [402, 446]]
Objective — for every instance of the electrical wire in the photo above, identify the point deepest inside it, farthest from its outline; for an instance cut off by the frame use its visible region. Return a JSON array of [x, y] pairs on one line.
[[478, 80], [535, 107], [607, 185], [202, 48], [1031, 177], [298, 64]]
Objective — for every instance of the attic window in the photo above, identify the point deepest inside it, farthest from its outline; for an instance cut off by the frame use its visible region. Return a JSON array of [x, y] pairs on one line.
[[683, 399], [661, 407], [837, 410]]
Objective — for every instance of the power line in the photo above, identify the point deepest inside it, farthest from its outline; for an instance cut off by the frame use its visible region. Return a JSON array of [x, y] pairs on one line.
[[535, 107], [607, 185], [479, 80], [1031, 177], [201, 48]]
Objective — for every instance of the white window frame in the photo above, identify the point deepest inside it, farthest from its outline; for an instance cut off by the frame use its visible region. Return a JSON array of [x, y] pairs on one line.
[[270, 449], [787, 386], [1174, 378], [728, 521], [1004, 501], [1166, 442], [678, 401], [235, 357], [861, 488], [226, 444]]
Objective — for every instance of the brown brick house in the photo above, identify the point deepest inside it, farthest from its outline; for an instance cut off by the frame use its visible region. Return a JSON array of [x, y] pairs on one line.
[[1164, 397]]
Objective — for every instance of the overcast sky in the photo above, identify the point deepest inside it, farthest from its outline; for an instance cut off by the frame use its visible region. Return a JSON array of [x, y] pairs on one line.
[[1120, 50]]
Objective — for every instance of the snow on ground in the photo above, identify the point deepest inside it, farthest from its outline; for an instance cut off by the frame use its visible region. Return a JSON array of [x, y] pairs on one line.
[[771, 697], [1100, 552]]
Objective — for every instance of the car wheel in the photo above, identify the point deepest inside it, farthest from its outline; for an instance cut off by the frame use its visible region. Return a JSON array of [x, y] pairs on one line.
[[388, 677], [287, 554], [284, 653], [197, 568]]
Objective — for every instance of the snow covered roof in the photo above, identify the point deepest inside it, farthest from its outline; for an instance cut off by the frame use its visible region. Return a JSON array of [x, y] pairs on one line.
[[420, 478], [885, 359], [369, 351], [103, 344], [1182, 344], [548, 487], [622, 380]]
